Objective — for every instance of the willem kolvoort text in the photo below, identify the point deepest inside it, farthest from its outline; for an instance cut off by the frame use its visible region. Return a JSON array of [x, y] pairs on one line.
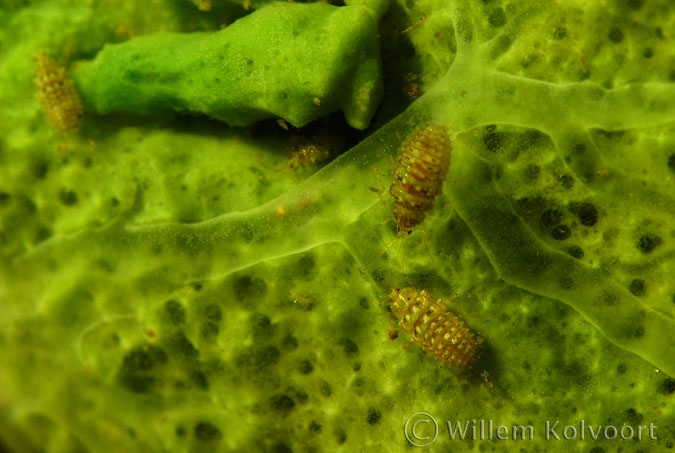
[[551, 430]]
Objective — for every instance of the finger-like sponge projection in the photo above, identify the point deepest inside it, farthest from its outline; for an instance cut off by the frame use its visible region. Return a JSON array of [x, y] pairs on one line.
[[294, 61]]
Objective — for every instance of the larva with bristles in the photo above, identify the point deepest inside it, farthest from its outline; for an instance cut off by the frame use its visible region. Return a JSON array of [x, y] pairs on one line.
[[421, 167], [435, 328], [56, 92]]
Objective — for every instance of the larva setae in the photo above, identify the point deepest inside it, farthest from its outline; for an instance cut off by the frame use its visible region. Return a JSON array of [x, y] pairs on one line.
[[56, 92], [435, 328], [421, 167]]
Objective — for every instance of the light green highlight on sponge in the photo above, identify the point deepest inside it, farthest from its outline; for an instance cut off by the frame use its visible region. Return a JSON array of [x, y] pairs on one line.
[[297, 62]]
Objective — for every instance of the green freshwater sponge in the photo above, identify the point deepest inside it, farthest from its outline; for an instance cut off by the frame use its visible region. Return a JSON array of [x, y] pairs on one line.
[[294, 61], [154, 298]]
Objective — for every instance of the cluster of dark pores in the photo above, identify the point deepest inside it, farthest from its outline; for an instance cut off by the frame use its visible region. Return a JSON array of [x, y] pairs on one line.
[[171, 363], [553, 220], [144, 368]]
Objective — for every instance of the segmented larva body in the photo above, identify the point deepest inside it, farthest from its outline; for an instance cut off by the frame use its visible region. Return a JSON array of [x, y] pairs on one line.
[[56, 92], [421, 167], [435, 328]]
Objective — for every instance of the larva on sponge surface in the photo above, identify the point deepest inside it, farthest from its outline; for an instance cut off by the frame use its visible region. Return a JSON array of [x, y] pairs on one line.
[[56, 92], [435, 328], [419, 172]]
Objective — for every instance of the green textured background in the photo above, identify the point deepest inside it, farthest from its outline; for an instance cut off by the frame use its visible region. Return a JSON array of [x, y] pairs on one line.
[[170, 284]]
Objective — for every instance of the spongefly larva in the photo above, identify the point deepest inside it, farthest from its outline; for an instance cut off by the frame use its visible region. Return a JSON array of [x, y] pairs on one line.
[[56, 92], [420, 169], [435, 328]]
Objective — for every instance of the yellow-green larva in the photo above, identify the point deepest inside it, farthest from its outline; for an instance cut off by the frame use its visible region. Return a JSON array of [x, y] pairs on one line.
[[421, 167], [435, 328], [56, 92]]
